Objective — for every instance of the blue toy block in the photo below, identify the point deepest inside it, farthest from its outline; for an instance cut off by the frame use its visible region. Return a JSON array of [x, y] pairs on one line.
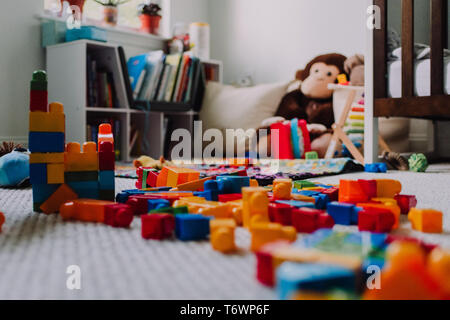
[[232, 184], [354, 215], [123, 196], [211, 188], [46, 141], [321, 200], [341, 212], [41, 192], [38, 173], [157, 204], [297, 203], [191, 227], [293, 276], [376, 167], [85, 189], [308, 193], [106, 180]]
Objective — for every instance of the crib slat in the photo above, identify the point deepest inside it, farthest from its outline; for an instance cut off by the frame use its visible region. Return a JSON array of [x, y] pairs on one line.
[[407, 48], [437, 45], [380, 52]]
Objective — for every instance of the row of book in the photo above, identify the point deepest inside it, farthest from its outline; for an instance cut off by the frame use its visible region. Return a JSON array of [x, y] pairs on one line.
[[92, 132], [100, 86], [155, 76]]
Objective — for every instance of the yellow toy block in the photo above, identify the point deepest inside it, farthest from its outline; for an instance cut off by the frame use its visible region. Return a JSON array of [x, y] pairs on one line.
[[386, 201], [282, 189], [263, 233], [74, 160], [300, 197], [222, 234], [254, 183], [54, 157], [342, 78], [55, 173], [388, 188], [426, 220], [438, 264], [236, 210], [53, 121], [200, 205], [255, 205]]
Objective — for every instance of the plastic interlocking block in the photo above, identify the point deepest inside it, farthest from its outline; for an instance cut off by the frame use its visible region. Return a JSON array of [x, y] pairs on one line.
[[191, 227], [46, 141], [118, 215]]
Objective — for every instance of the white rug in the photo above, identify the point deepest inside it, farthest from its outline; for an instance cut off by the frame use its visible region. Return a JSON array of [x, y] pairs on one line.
[[36, 249]]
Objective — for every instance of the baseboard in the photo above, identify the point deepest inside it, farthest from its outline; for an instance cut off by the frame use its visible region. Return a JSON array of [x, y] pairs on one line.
[[23, 140]]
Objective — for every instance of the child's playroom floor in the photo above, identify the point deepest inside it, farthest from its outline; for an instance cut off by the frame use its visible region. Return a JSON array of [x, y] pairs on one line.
[[36, 249]]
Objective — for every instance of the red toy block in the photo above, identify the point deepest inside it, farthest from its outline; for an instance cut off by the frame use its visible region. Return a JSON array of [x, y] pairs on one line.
[[265, 264], [376, 220], [2, 220], [405, 202], [38, 100], [280, 213], [157, 226], [229, 197], [332, 193], [139, 202], [309, 220], [369, 187], [106, 156], [118, 215], [351, 191], [281, 145]]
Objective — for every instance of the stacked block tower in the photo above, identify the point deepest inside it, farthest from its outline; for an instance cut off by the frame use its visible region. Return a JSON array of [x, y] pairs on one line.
[[60, 172]]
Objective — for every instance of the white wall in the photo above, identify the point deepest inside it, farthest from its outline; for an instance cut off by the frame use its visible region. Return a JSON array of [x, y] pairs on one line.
[[20, 55], [270, 40]]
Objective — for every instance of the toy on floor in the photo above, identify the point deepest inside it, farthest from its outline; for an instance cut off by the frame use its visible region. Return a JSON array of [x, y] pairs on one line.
[[2, 220], [14, 168], [146, 161], [418, 162]]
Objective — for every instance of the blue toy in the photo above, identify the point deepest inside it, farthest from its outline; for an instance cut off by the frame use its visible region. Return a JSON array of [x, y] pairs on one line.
[[343, 213], [232, 184], [46, 141], [157, 204], [375, 167], [191, 227], [297, 203], [14, 169]]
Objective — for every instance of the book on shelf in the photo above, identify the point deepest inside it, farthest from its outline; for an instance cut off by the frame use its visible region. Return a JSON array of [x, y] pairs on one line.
[[100, 85]]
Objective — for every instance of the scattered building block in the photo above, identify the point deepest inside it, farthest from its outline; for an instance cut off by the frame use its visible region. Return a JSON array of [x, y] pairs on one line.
[[300, 184], [2, 220], [202, 206], [232, 184], [38, 91], [196, 185], [157, 204], [174, 176], [105, 135], [157, 226], [375, 167], [88, 210], [438, 265], [76, 176], [51, 157], [369, 187], [309, 220], [62, 195], [297, 203], [118, 215], [426, 220], [405, 202], [376, 220], [280, 213], [222, 235], [171, 210], [229, 197], [351, 191], [191, 227], [42, 192], [332, 193], [255, 205], [342, 213], [53, 121], [265, 232], [393, 208], [282, 189], [75, 160], [106, 180], [55, 173], [46, 141], [388, 188], [38, 173], [106, 156]]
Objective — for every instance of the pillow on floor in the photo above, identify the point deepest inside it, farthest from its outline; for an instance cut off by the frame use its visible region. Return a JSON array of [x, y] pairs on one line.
[[228, 107]]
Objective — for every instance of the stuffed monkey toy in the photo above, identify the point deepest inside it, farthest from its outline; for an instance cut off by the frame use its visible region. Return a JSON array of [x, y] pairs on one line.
[[312, 101]]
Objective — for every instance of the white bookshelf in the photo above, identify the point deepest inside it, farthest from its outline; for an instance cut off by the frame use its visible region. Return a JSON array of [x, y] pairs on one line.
[[67, 83]]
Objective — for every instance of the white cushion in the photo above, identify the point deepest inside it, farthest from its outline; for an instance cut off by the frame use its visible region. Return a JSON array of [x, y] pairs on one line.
[[228, 107]]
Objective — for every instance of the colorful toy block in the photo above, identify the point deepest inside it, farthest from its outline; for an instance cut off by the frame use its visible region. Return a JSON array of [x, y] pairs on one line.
[[55, 173], [265, 232], [88, 210], [369, 187], [292, 276], [53, 121], [38, 173], [343, 213], [388, 188], [300, 184], [332, 193], [62, 195], [42, 192], [352, 191], [171, 210], [309, 220], [222, 235], [146, 178], [157, 226], [297, 203], [196, 185], [191, 227], [173, 176], [232, 184], [55, 157], [405, 202], [393, 208], [2, 220], [38, 91], [105, 135], [202, 206], [85, 189], [106, 156], [157, 204], [426, 220], [77, 176], [376, 220], [106, 180], [255, 205], [282, 189], [311, 155], [280, 213], [118, 215], [375, 167], [46, 141], [438, 264], [75, 160], [229, 197]]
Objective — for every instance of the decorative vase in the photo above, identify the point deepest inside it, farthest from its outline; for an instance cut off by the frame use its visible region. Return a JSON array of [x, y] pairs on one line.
[[150, 23], [110, 15]]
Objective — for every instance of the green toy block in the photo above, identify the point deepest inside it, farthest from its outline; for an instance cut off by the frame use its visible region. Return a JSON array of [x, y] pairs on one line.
[[300, 184], [311, 155], [171, 210], [39, 81]]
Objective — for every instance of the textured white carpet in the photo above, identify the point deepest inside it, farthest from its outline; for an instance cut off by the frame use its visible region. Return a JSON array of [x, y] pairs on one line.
[[36, 249]]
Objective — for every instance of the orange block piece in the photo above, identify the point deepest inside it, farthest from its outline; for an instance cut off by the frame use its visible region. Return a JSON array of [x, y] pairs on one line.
[[2, 220], [174, 176], [438, 265], [426, 220], [74, 160], [63, 194], [51, 157], [105, 133], [254, 183], [395, 209], [255, 206], [282, 189], [300, 197], [196, 185], [88, 210], [55, 173], [263, 233], [388, 188], [351, 191], [53, 121], [386, 201], [222, 235], [219, 210]]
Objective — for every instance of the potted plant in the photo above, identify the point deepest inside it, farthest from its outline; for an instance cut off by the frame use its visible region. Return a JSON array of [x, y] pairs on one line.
[[110, 10], [150, 17]]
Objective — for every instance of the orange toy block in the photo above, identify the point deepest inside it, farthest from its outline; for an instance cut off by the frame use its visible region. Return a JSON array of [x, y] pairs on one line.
[[300, 197], [351, 191], [2, 220], [235, 207], [62, 195], [88, 210], [222, 234], [53, 157], [426, 220], [200, 205], [282, 189], [395, 209], [254, 183], [55, 173], [196, 185], [105, 133], [74, 160], [255, 206], [388, 188], [386, 201], [176, 176], [53, 121], [438, 265], [263, 233]]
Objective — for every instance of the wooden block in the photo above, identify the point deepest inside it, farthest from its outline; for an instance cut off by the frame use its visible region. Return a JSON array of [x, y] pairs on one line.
[[55, 173], [63, 194]]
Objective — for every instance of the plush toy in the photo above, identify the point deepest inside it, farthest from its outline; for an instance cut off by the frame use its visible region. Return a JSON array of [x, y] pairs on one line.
[[312, 101], [15, 169], [354, 66]]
